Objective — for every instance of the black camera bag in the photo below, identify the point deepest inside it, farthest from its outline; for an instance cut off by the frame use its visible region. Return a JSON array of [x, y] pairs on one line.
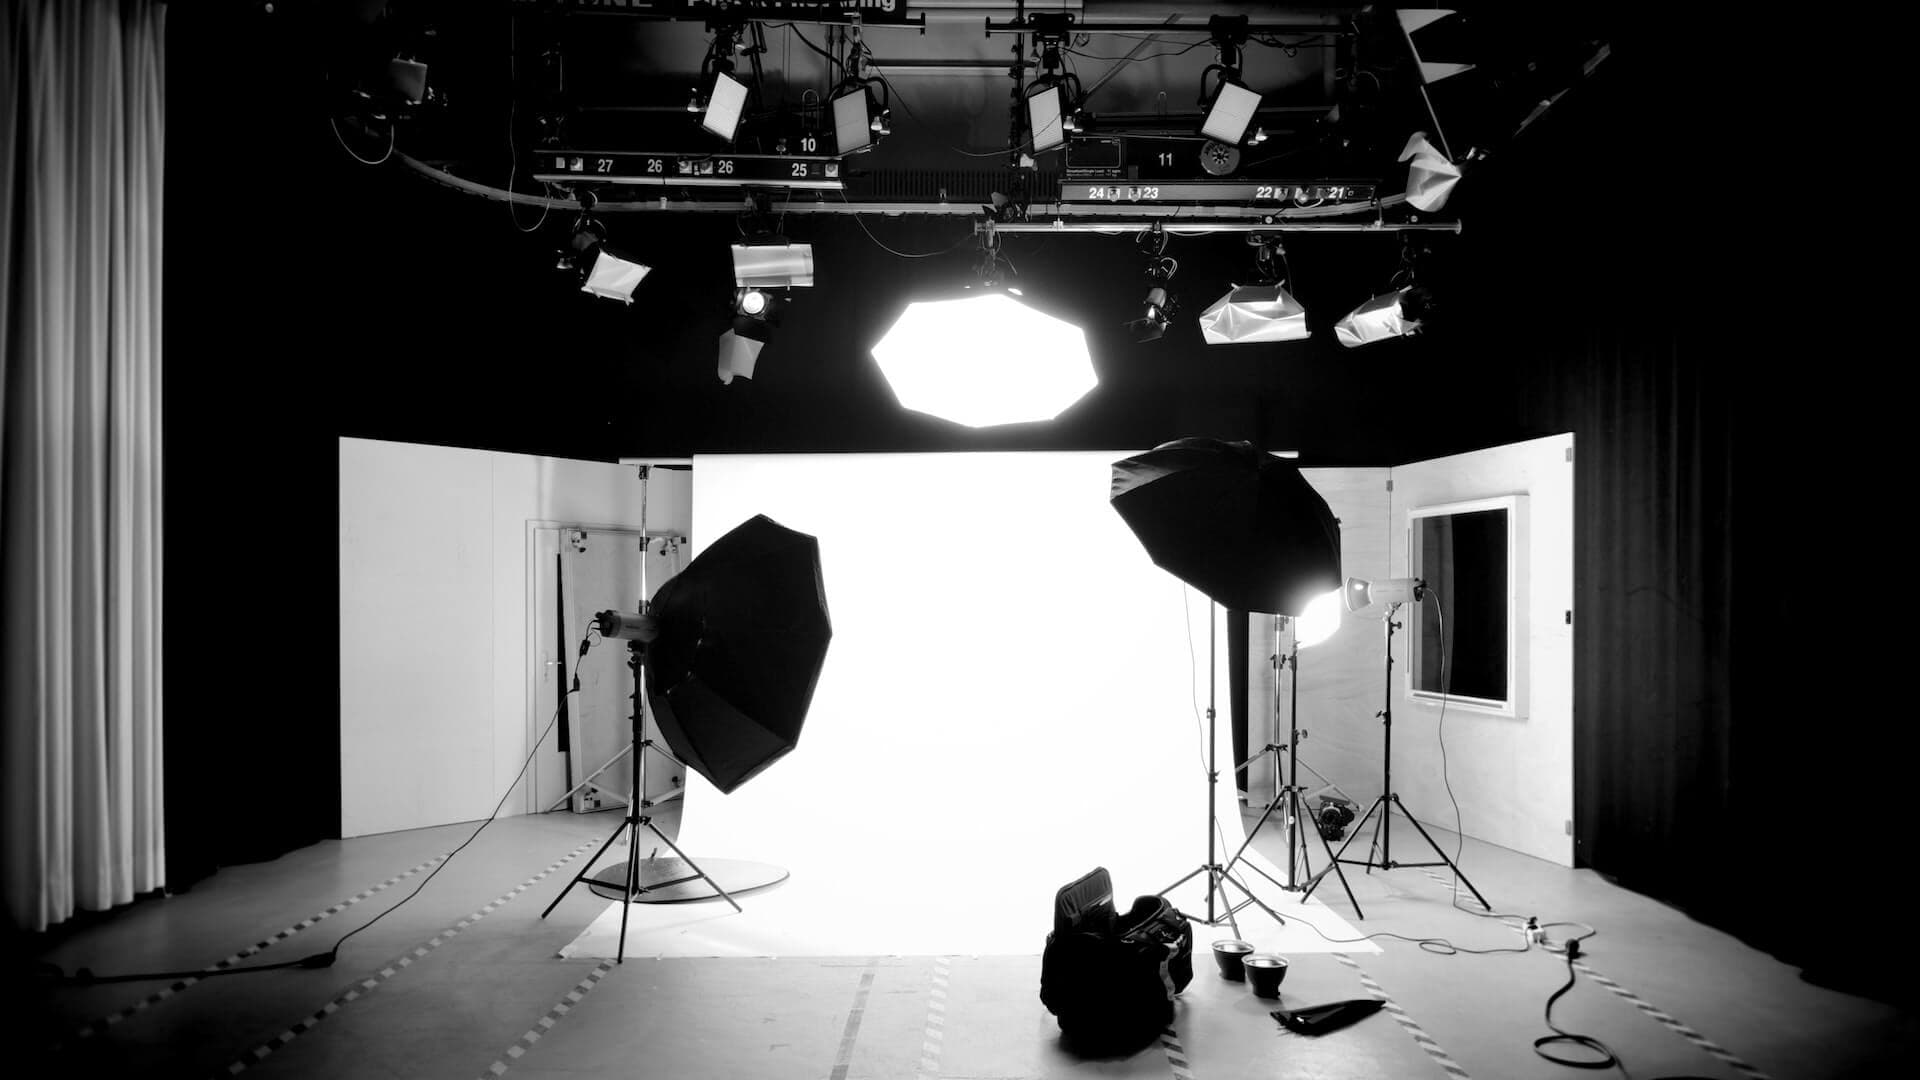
[[1111, 978]]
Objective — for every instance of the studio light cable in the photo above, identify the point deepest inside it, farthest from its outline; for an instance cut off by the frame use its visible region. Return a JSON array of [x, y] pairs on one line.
[[326, 958]]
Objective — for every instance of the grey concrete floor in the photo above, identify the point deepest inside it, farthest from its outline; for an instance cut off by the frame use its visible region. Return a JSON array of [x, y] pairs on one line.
[[463, 981]]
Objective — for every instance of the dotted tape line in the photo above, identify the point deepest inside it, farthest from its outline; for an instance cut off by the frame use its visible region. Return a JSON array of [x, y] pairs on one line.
[[1176, 1055], [545, 1024], [95, 1027], [369, 985], [859, 1011], [1672, 1024], [933, 1040], [1420, 1037]]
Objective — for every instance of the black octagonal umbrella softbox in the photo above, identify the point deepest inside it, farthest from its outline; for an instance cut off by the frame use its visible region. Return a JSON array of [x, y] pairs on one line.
[[1235, 522], [743, 635]]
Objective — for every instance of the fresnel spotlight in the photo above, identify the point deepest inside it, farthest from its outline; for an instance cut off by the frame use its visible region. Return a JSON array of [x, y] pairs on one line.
[[1160, 305], [764, 263], [756, 311], [587, 257]]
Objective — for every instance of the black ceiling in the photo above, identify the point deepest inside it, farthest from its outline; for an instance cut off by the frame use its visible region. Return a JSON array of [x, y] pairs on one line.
[[365, 300]]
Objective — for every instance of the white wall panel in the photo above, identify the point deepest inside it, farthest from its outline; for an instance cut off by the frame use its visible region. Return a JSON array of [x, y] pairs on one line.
[[433, 617]]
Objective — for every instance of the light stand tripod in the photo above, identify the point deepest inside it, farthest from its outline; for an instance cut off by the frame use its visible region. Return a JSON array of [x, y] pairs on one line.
[[1388, 799], [1290, 796], [638, 818], [1218, 876]]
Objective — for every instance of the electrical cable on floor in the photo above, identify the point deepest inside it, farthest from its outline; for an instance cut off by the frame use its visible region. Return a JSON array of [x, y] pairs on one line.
[[1607, 1059], [84, 977]]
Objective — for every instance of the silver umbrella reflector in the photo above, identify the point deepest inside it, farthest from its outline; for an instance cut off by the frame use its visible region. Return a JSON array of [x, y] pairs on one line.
[[1250, 313]]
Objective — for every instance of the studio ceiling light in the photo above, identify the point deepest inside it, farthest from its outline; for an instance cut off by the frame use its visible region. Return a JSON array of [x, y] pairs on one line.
[[859, 121], [1398, 313], [984, 360], [726, 99], [1256, 313], [1230, 112], [755, 313], [1160, 305], [600, 271], [614, 277], [777, 265], [1395, 314], [1231, 106]]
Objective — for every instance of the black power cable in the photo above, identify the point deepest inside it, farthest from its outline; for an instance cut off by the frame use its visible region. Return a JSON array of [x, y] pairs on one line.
[[326, 958]]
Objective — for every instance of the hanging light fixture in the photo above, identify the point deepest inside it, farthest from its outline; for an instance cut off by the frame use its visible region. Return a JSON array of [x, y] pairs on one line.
[[1400, 312], [601, 271], [720, 98], [985, 357], [1232, 105], [1260, 312], [1160, 305], [859, 119]]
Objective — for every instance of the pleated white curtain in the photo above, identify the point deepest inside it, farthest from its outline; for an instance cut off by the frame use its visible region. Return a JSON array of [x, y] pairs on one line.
[[82, 93]]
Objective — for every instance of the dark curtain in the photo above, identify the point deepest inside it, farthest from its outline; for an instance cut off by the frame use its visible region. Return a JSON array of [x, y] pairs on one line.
[[1657, 779], [255, 305]]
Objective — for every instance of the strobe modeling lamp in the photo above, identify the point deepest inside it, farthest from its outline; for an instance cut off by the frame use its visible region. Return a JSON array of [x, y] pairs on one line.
[[1361, 595]]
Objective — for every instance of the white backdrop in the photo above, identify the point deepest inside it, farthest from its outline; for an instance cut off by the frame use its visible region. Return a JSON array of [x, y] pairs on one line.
[[1014, 694]]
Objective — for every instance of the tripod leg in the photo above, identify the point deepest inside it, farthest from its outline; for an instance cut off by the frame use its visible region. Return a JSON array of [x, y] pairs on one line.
[[712, 884], [1333, 864], [1182, 881], [1355, 834], [1271, 807], [1443, 856], [633, 884], [1254, 900], [587, 868]]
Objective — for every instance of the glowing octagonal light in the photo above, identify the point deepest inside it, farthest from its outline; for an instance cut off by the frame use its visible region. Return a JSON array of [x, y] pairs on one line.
[[984, 360]]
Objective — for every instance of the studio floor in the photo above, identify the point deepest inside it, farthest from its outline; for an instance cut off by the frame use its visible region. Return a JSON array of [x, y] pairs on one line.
[[465, 981]]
